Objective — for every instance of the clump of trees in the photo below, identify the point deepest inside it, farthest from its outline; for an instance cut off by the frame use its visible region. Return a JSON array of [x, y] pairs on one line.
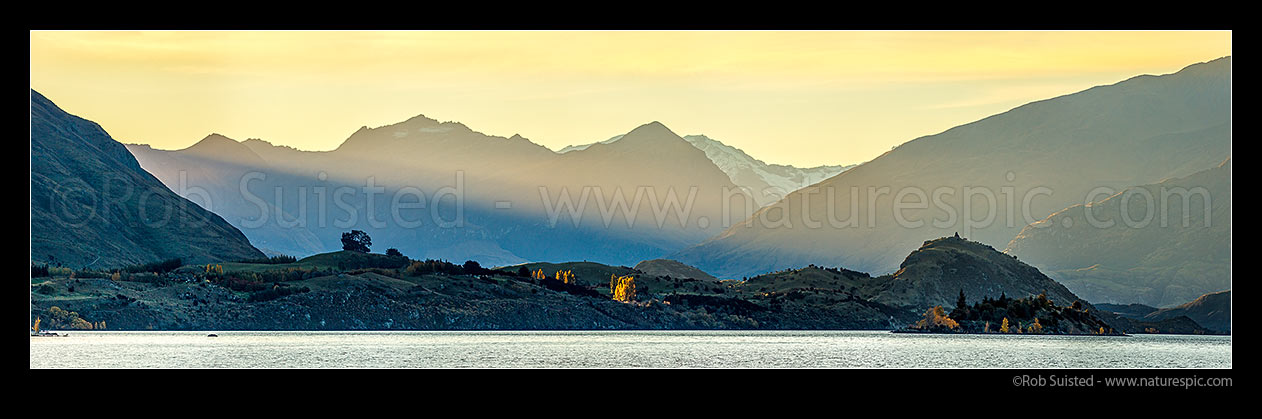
[[1035, 314], [936, 319], [277, 275], [39, 271], [274, 260], [62, 319], [472, 267], [159, 268], [433, 266], [566, 277], [356, 241], [1035, 328], [372, 261], [622, 287], [276, 291]]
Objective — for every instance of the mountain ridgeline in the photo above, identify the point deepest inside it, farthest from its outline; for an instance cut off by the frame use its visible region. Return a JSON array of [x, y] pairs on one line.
[[1172, 244], [1213, 311], [93, 206]]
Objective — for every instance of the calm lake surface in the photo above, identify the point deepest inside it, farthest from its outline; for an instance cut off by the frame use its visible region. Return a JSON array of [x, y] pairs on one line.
[[622, 349]]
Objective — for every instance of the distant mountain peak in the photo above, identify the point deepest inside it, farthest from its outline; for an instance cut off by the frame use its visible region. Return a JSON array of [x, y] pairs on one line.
[[652, 128], [215, 138], [421, 119], [653, 137], [219, 147], [769, 182]]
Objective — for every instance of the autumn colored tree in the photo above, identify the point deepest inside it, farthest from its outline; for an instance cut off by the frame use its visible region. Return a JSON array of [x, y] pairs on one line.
[[936, 318], [1036, 327], [1003, 328], [624, 289], [566, 277]]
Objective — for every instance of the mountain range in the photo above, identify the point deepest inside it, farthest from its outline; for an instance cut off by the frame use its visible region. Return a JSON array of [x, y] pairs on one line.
[[93, 206], [469, 196], [1011, 169]]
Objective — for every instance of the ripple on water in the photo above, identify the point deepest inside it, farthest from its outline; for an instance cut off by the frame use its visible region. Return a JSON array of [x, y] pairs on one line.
[[620, 349]]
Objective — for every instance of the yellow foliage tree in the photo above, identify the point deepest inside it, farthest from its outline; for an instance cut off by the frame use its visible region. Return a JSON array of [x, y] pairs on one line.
[[35, 327], [565, 276], [1036, 327], [1003, 328], [624, 289], [115, 276], [936, 317]]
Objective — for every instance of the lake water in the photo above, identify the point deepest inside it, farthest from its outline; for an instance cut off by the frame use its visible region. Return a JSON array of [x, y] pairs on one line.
[[621, 349]]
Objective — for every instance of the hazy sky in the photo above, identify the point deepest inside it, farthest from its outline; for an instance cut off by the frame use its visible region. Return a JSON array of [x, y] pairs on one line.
[[797, 97]]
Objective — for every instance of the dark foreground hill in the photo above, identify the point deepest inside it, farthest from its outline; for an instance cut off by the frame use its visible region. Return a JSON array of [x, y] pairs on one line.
[[92, 204], [940, 269]]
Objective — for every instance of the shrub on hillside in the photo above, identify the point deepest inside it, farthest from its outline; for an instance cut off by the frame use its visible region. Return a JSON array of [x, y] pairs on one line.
[[155, 267], [275, 292], [274, 260]]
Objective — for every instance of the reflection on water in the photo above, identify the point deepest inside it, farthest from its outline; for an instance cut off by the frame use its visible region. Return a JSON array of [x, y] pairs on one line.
[[617, 349]]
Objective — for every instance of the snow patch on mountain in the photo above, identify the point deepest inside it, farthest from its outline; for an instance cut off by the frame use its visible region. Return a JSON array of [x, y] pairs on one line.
[[769, 182]]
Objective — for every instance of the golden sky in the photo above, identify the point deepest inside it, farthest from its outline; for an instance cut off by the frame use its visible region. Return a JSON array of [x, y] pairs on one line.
[[792, 97]]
